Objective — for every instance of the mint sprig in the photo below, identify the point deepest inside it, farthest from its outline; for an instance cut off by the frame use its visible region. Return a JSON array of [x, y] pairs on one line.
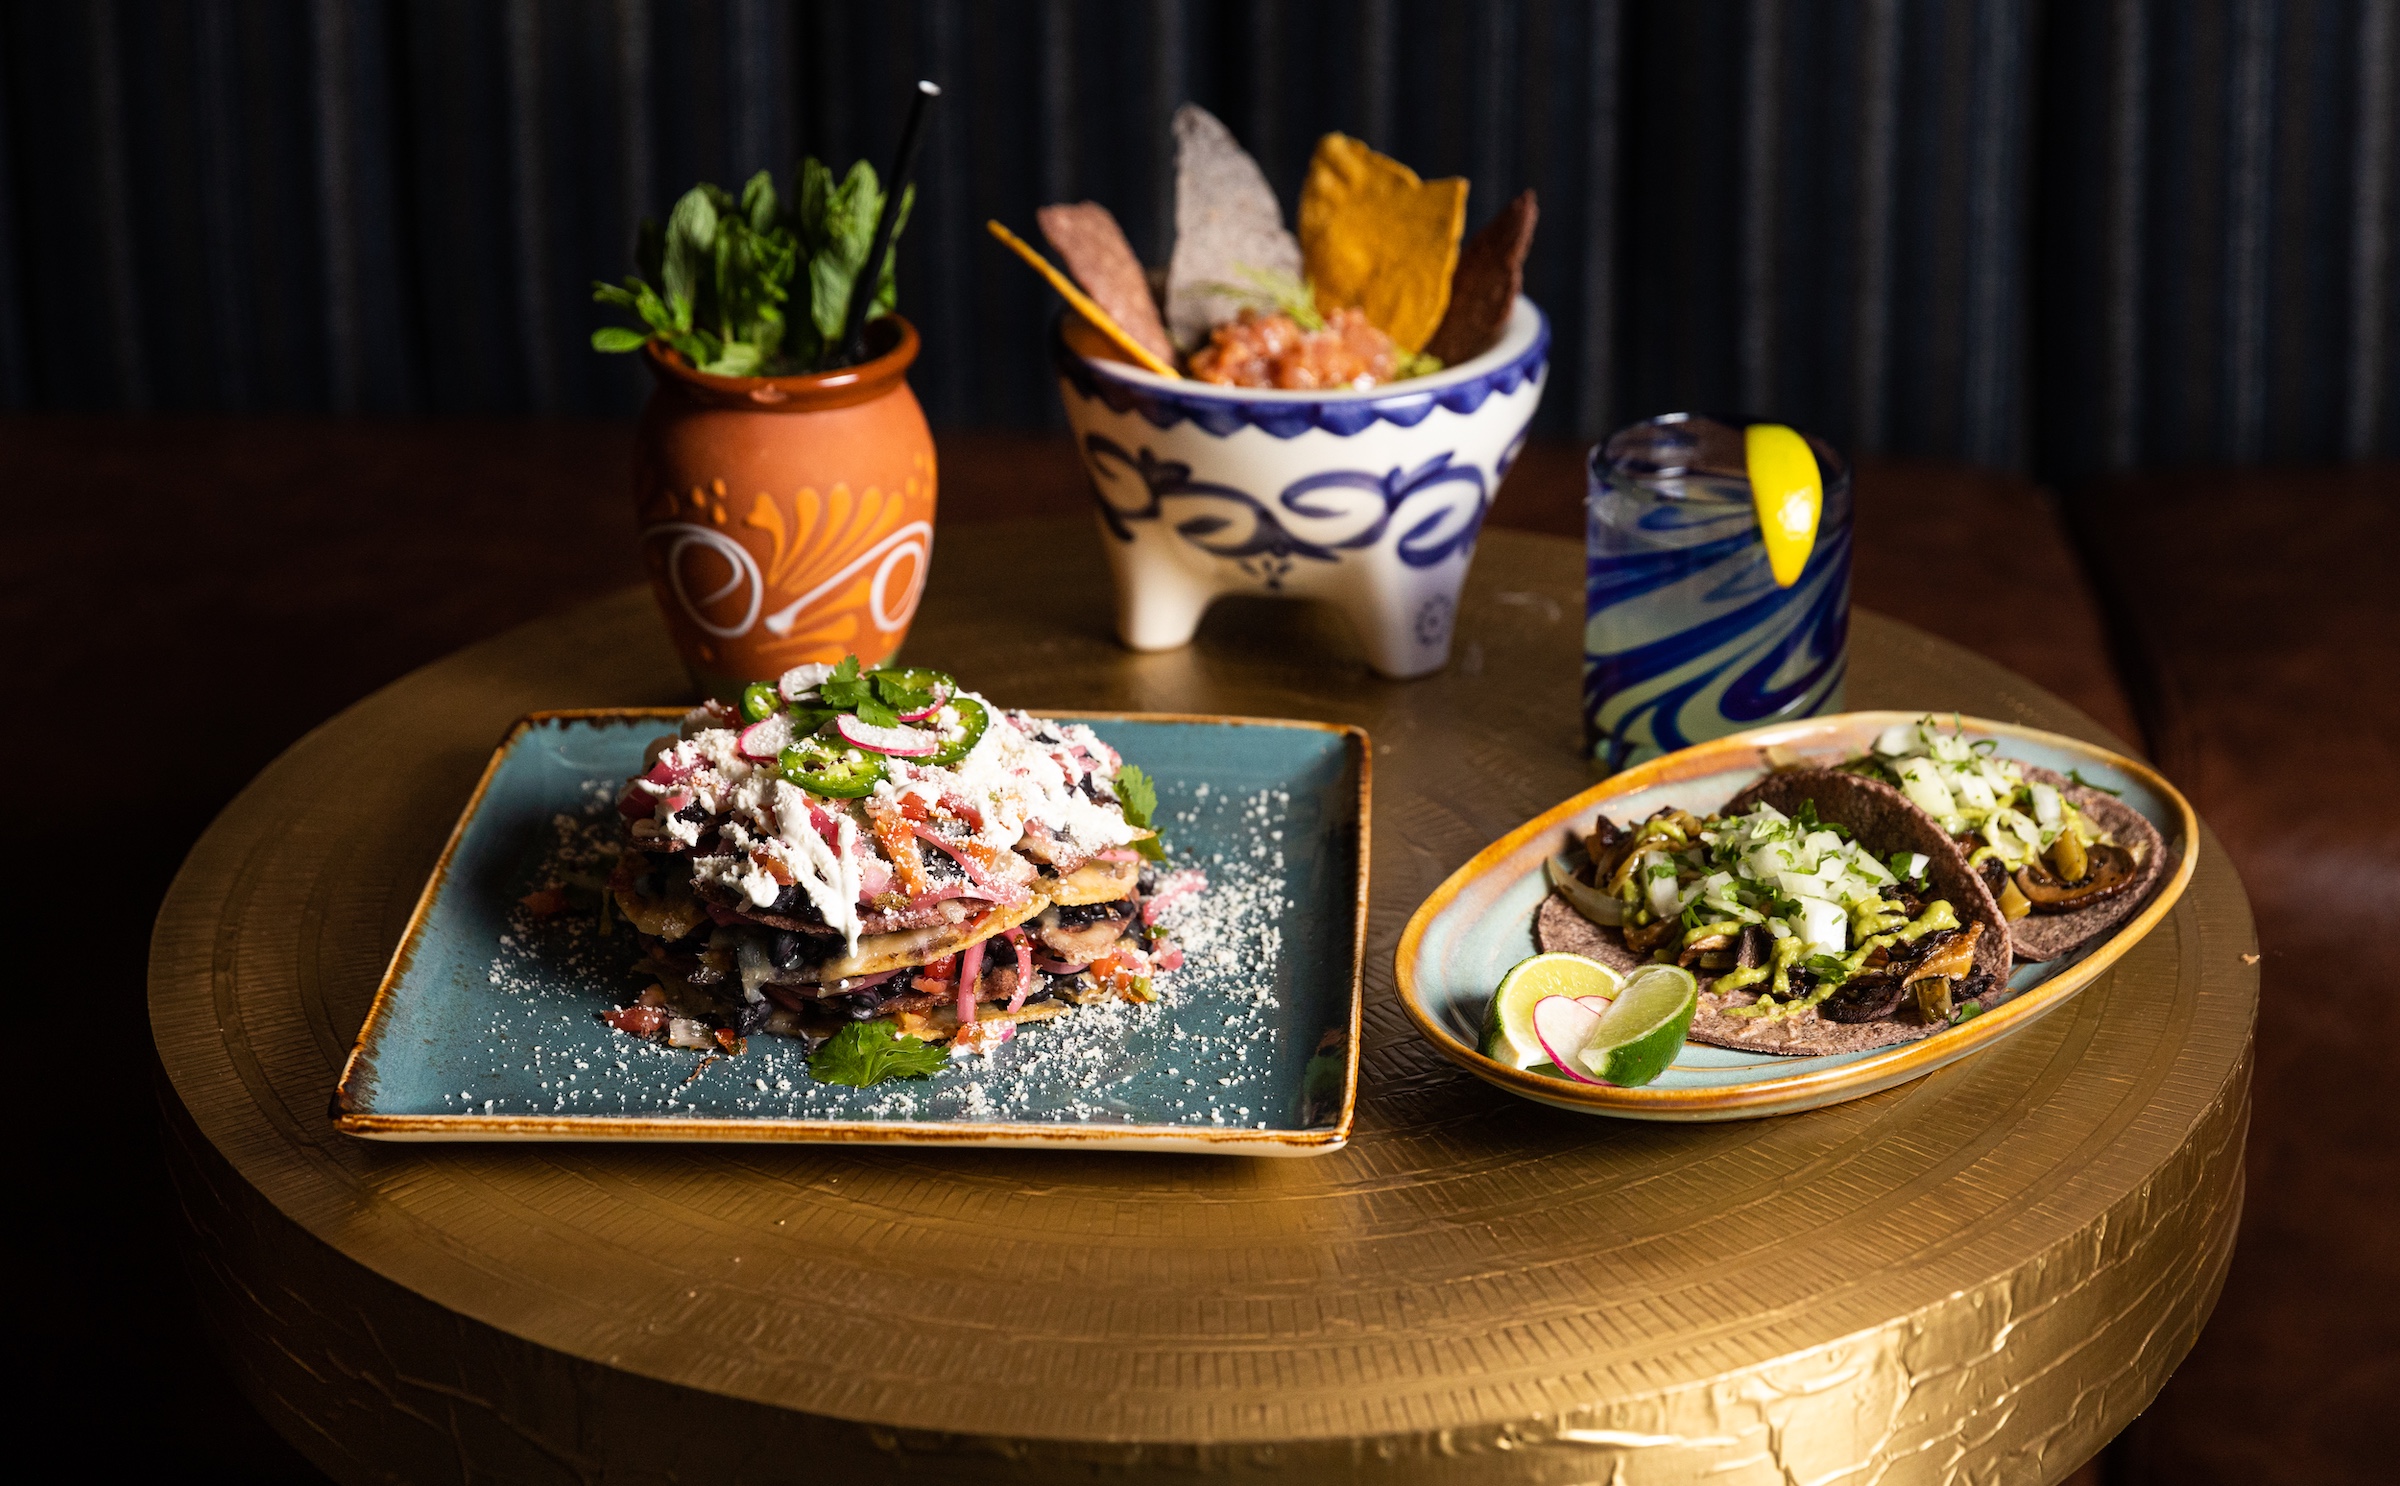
[[714, 285]]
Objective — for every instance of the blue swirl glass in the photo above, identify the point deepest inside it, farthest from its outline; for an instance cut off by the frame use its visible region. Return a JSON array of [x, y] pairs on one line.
[[1686, 636]]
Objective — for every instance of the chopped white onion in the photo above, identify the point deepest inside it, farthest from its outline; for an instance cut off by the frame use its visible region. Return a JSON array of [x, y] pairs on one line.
[[1824, 926], [2045, 806]]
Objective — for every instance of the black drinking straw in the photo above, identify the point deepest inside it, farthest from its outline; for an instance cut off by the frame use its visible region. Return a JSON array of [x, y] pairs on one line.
[[895, 186]]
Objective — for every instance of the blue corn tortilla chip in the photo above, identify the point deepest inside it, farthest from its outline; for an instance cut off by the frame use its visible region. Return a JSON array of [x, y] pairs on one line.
[[1228, 225]]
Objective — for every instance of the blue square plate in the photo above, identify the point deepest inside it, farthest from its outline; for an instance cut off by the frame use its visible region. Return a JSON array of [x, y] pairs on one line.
[[486, 1026]]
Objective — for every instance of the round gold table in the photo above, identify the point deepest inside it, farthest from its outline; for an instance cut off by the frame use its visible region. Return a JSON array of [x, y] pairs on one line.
[[1979, 1276]]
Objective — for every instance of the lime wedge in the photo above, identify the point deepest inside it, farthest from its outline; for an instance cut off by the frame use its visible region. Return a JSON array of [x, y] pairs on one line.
[[1508, 1035], [1643, 1028], [1789, 493]]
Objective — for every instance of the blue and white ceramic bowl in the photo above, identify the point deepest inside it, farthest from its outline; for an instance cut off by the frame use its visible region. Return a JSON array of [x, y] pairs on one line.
[[1371, 500]]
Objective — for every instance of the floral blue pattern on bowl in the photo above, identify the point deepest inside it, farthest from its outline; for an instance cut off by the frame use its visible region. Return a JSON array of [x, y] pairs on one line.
[[1370, 500], [1164, 404]]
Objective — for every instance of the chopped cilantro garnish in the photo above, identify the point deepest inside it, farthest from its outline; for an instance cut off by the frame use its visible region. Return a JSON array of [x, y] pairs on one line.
[[1828, 969], [864, 1054], [844, 689], [894, 692], [1966, 1011]]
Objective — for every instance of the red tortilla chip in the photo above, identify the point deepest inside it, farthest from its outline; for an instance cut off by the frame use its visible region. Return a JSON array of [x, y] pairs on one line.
[[1484, 288], [1103, 262]]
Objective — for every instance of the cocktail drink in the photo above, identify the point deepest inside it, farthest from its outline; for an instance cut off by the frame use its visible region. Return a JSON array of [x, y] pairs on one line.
[[1687, 634]]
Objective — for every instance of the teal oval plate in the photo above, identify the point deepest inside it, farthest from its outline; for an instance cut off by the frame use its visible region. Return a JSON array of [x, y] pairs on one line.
[[1464, 937], [486, 1025]]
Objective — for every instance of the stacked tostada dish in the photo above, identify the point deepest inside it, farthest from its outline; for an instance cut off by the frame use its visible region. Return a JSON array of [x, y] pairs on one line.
[[885, 847]]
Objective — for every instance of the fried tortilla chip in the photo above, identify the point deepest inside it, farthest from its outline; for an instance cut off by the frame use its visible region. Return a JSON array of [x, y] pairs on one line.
[[1102, 261], [1228, 225], [1483, 293], [1375, 235]]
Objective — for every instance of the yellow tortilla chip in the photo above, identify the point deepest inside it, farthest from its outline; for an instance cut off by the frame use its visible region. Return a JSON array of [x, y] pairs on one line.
[[1373, 234]]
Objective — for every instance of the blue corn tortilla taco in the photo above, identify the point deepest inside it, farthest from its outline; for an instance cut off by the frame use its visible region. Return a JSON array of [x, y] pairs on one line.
[[2066, 862], [1820, 911]]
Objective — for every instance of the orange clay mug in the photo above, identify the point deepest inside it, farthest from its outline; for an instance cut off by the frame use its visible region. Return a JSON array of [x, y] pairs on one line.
[[785, 519]]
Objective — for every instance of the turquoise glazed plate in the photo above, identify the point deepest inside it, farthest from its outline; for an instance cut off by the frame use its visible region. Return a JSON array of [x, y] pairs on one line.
[[1480, 922], [487, 1024]]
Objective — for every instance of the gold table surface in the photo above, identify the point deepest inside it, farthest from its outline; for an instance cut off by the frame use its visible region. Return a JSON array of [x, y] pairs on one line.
[[1982, 1275]]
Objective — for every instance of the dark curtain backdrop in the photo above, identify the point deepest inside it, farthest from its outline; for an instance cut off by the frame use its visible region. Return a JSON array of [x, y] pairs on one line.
[[2065, 236]]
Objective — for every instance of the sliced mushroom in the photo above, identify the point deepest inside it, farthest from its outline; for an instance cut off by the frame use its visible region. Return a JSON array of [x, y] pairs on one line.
[[1606, 845], [1700, 949], [1946, 954], [1757, 944], [1864, 998], [1644, 938], [2111, 870], [1076, 938]]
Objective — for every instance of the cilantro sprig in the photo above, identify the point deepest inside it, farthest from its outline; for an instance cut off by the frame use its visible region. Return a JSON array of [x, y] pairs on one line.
[[1139, 798], [875, 697], [865, 1054]]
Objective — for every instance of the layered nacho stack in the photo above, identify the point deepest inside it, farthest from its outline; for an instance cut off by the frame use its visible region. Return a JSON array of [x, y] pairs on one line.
[[1373, 289], [886, 856]]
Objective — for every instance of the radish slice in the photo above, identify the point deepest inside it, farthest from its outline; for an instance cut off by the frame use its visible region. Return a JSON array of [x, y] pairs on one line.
[[801, 682], [1564, 1026], [763, 741], [1593, 1004], [898, 742], [940, 699]]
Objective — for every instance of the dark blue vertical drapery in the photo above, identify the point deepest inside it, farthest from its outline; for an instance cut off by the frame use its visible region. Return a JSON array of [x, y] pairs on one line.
[[2065, 236]]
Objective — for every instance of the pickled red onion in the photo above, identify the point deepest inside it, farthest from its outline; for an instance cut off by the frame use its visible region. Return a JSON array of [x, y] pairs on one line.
[[970, 970]]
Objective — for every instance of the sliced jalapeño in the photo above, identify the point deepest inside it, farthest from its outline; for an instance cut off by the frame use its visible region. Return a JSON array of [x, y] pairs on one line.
[[828, 767], [972, 720]]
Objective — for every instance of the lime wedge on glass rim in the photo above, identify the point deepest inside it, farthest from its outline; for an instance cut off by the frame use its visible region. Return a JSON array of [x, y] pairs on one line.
[[1508, 1035], [1643, 1028]]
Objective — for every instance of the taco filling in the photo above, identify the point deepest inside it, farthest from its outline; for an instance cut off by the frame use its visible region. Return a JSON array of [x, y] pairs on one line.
[[2064, 860], [1817, 921], [886, 848]]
